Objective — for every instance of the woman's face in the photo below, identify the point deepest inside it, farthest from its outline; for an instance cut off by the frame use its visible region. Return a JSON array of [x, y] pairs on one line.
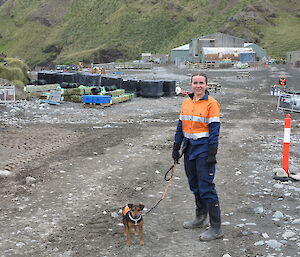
[[199, 86]]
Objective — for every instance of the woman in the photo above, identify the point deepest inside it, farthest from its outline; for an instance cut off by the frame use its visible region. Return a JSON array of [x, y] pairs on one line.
[[198, 128]]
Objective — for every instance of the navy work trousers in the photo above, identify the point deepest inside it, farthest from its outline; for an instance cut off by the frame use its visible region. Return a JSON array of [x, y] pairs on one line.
[[201, 178]]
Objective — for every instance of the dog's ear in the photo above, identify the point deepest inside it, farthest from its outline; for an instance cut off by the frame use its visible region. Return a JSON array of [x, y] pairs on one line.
[[142, 206], [130, 205]]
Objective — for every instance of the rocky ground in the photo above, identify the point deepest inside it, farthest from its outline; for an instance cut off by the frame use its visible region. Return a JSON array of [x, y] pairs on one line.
[[67, 170]]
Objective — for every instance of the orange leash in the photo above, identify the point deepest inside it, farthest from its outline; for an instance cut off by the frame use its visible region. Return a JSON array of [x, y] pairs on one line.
[[168, 178]]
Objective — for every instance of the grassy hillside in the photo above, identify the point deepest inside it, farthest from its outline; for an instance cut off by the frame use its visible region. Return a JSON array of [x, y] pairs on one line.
[[285, 36], [66, 31], [14, 70]]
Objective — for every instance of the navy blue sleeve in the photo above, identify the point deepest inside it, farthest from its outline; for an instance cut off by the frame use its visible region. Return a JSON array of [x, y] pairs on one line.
[[179, 134], [214, 130]]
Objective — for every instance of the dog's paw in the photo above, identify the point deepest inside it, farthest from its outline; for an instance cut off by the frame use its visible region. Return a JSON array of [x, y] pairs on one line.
[[142, 243], [128, 244]]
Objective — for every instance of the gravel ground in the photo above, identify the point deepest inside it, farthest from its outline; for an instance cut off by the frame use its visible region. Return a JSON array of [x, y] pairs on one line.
[[66, 170]]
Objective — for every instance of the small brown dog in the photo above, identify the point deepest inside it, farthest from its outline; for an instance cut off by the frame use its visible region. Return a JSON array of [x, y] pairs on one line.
[[132, 217]]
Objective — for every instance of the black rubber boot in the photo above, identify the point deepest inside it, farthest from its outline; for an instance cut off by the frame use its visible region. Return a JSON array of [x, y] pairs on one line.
[[201, 215], [214, 230]]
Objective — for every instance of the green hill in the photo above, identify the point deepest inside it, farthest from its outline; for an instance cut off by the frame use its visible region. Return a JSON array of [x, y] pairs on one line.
[[14, 70], [44, 32]]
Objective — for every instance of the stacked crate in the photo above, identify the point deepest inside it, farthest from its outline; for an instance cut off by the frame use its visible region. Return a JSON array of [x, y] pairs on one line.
[[75, 94], [96, 99], [107, 98], [119, 96], [41, 91]]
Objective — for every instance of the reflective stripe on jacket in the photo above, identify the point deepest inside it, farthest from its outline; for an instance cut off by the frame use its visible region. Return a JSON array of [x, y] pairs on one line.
[[197, 115]]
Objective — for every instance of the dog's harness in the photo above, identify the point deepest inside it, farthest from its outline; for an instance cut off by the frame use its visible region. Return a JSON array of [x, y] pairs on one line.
[[133, 219], [127, 214]]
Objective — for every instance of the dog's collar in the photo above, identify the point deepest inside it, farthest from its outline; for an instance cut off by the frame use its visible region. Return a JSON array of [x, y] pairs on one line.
[[134, 220]]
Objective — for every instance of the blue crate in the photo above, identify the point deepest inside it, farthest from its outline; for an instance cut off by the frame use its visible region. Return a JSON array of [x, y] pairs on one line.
[[101, 99], [87, 99]]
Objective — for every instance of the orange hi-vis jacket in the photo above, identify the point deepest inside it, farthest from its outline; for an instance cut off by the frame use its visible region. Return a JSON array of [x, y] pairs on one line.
[[196, 115], [282, 81], [125, 210]]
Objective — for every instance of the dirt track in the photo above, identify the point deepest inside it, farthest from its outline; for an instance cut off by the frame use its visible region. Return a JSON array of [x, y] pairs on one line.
[[90, 162]]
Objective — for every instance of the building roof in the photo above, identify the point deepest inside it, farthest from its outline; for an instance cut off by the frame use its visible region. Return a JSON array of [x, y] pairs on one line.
[[183, 47]]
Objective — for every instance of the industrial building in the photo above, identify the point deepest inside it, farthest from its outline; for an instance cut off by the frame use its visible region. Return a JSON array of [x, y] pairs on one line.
[[221, 54], [259, 51], [180, 54], [213, 40], [293, 58], [217, 48]]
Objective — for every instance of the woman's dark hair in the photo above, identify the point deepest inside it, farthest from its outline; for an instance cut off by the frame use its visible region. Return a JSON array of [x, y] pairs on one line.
[[199, 74]]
